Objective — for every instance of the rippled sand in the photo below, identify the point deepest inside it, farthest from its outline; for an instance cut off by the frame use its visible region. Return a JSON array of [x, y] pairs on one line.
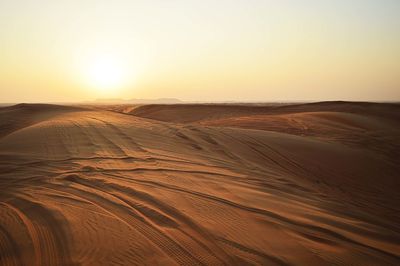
[[313, 184]]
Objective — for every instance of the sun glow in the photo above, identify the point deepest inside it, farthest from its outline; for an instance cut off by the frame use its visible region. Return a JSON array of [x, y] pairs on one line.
[[105, 74]]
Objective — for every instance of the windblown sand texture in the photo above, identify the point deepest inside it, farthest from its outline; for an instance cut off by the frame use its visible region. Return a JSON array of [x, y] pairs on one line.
[[306, 184]]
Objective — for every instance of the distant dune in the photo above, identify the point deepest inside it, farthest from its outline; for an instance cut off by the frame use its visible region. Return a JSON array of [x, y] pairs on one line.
[[200, 184], [198, 112]]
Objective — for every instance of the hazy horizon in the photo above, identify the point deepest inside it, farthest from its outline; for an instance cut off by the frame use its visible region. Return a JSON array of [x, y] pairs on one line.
[[179, 101], [242, 51]]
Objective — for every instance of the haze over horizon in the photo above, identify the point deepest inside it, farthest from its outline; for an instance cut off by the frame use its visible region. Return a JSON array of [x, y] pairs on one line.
[[65, 51]]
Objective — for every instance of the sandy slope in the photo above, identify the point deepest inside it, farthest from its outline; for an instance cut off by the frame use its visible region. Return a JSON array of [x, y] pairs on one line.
[[294, 185]]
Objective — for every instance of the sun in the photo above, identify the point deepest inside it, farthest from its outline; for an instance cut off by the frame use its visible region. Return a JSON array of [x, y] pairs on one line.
[[105, 74]]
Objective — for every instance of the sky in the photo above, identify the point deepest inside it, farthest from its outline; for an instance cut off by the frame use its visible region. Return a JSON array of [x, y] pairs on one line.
[[236, 50]]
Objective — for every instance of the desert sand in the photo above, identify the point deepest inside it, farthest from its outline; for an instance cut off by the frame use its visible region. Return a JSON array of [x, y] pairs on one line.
[[217, 184]]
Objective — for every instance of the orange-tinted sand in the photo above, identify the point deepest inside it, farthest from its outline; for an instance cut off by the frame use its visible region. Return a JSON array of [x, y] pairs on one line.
[[308, 184]]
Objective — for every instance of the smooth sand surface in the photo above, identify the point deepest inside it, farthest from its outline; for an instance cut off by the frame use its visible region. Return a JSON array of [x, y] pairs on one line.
[[306, 184]]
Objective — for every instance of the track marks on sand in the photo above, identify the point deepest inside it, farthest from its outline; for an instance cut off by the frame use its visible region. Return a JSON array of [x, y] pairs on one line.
[[139, 192], [46, 230], [150, 214]]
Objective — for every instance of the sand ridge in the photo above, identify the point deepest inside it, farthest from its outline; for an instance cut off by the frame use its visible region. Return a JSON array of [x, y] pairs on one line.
[[200, 185]]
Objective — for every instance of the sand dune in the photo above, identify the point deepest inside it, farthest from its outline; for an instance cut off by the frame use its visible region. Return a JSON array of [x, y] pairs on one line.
[[309, 184]]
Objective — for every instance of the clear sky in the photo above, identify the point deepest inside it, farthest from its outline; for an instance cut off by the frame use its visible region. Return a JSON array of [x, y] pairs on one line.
[[243, 50]]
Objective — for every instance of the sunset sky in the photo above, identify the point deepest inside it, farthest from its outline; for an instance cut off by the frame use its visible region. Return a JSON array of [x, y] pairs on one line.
[[200, 50]]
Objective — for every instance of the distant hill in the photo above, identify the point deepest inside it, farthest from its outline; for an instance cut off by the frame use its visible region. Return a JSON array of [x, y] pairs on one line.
[[140, 101]]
